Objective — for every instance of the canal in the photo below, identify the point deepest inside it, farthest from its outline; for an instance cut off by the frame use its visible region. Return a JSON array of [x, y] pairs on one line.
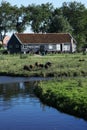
[[20, 109]]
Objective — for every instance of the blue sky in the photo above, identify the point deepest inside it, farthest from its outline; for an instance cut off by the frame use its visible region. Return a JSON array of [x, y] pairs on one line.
[[56, 3]]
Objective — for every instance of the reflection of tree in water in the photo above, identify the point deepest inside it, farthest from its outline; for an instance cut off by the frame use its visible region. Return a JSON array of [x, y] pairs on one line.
[[15, 93], [11, 92], [8, 91]]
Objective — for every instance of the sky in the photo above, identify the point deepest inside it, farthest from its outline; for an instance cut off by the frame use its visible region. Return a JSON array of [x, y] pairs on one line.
[[55, 3]]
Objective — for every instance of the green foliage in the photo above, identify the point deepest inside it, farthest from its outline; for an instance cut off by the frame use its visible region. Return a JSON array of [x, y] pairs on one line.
[[81, 40], [65, 95], [1, 46], [76, 13], [12, 18], [20, 20], [23, 56], [5, 17], [59, 24], [39, 16]]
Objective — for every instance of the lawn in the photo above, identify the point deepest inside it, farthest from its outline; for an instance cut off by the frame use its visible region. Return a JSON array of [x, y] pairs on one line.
[[68, 65]]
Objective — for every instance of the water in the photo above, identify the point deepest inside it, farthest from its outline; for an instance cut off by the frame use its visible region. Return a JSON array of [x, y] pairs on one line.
[[20, 109]]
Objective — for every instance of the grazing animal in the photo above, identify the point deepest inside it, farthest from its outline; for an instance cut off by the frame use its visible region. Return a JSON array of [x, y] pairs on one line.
[[49, 63], [41, 65], [36, 64], [31, 66], [26, 67], [81, 59], [46, 66]]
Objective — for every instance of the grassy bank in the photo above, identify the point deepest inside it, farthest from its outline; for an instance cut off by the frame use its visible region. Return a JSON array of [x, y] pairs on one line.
[[67, 65], [69, 95]]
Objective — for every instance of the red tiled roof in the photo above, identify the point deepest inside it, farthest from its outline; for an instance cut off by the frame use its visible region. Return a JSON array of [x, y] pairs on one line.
[[6, 39], [44, 38]]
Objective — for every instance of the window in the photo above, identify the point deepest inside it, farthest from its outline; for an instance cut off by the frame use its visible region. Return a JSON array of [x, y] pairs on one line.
[[24, 46], [58, 47], [50, 47], [66, 47]]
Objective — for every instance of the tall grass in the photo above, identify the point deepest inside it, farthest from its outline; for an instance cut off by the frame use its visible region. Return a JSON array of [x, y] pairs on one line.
[[67, 95]]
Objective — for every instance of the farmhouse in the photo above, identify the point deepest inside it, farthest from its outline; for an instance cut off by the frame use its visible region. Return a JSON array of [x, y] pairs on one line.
[[35, 42]]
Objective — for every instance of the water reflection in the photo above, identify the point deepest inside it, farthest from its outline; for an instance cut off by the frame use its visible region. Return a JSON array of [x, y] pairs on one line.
[[20, 109], [10, 93], [21, 85]]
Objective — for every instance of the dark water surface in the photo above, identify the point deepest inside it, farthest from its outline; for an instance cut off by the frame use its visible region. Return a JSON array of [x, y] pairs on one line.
[[20, 109]]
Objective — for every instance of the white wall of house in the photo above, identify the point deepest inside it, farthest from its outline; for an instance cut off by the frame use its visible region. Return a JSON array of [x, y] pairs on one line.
[[66, 47], [50, 47], [29, 47], [73, 45], [58, 48]]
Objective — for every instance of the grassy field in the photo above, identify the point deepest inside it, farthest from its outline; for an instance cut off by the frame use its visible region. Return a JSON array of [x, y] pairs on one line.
[[68, 65], [67, 95]]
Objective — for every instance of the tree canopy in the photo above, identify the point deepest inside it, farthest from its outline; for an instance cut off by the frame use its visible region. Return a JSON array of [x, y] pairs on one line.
[[71, 18]]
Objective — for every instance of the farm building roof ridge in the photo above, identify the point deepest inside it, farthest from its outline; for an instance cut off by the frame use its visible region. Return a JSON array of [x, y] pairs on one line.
[[44, 37]]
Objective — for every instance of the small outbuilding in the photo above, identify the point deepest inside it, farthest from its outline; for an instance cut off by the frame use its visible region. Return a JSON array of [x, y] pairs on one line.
[[5, 41], [47, 42]]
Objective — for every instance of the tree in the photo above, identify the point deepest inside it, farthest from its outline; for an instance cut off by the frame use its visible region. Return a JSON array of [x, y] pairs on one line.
[[76, 13], [20, 19], [81, 40], [59, 24], [5, 17], [35, 17], [40, 15], [46, 13]]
